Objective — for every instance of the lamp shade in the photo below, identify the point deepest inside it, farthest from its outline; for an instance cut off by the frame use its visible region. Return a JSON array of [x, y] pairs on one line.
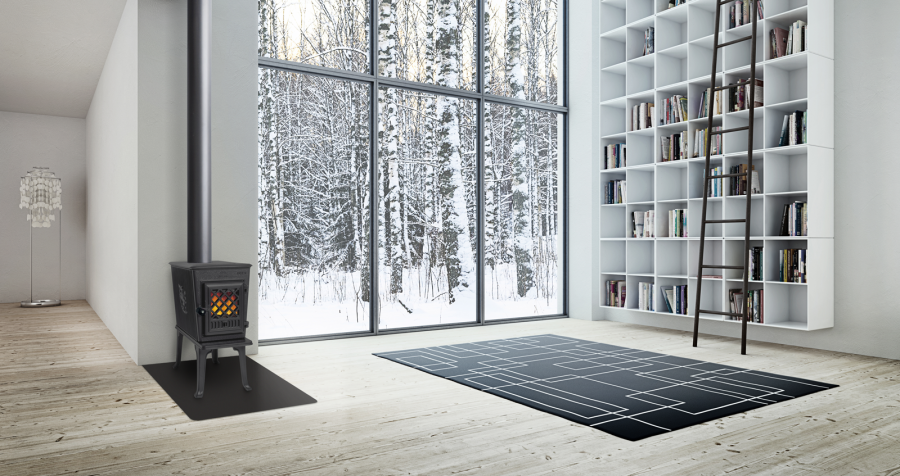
[[41, 193]]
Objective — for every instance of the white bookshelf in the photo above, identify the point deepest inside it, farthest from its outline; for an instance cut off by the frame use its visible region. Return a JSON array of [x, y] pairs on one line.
[[682, 64]]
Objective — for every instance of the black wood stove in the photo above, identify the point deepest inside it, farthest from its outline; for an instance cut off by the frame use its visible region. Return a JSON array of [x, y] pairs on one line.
[[210, 296]]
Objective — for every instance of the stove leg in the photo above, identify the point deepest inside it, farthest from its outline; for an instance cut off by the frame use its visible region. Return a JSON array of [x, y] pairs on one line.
[[242, 356], [215, 354], [179, 340], [201, 371]]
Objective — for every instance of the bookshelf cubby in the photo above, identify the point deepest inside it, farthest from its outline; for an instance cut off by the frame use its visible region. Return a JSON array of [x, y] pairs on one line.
[[681, 65]]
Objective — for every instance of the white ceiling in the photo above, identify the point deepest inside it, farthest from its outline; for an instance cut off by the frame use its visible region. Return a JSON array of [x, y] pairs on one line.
[[52, 53]]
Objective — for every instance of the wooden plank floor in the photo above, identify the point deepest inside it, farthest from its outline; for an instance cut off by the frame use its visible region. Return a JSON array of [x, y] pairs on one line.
[[71, 401]]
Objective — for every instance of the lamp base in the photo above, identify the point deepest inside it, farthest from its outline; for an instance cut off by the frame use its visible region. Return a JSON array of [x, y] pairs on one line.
[[41, 303]]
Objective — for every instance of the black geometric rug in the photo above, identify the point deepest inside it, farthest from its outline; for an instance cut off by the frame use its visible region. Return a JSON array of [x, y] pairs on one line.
[[629, 393], [224, 395]]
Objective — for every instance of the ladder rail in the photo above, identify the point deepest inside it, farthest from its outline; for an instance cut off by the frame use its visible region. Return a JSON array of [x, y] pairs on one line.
[[749, 190]]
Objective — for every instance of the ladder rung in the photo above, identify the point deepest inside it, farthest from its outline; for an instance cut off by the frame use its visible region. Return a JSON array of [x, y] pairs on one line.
[[735, 41], [730, 86], [720, 313], [736, 220], [718, 266], [713, 177], [726, 131]]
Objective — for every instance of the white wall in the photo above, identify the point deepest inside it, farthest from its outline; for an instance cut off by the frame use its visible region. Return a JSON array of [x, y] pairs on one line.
[[867, 258], [28, 140], [112, 168]]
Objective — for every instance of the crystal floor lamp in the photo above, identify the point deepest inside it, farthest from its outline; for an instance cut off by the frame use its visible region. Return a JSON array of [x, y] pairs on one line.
[[41, 194]]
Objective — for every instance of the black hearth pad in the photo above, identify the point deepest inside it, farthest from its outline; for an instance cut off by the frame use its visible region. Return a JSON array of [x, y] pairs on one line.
[[224, 396], [629, 393]]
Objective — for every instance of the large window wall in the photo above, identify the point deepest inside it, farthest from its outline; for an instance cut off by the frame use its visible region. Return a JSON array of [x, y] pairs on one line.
[[411, 164]]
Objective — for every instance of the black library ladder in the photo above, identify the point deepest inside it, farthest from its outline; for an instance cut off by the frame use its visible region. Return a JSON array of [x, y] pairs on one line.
[[748, 174]]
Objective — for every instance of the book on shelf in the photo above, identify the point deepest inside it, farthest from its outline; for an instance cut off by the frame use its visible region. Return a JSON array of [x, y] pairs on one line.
[[642, 224], [649, 34], [674, 110], [703, 110], [787, 42], [674, 147], [794, 219], [793, 129], [678, 224], [615, 156], [756, 269], [792, 266], [739, 97], [615, 293], [754, 303], [675, 3], [739, 185], [700, 137], [714, 189], [739, 13], [615, 192], [647, 297], [675, 298], [642, 116]]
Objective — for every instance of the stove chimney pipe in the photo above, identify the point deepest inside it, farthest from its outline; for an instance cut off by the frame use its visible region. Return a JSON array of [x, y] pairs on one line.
[[199, 133]]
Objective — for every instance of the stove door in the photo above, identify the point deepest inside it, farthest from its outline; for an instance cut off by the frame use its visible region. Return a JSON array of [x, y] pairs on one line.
[[224, 308]]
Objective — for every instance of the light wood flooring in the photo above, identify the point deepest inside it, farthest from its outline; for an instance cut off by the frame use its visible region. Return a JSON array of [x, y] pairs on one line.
[[71, 401]]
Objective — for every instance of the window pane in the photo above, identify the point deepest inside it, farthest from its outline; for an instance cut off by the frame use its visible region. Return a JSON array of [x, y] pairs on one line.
[[523, 236], [313, 205], [428, 41], [523, 49], [427, 211], [330, 33]]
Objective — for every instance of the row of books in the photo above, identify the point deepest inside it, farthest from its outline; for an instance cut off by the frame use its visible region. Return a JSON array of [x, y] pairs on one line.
[[700, 136], [740, 13], [674, 110], [642, 116], [756, 268], [714, 189], [703, 109], [615, 156], [643, 224], [678, 223], [675, 298], [649, 38], [787, 42], [615, 192], [793, 128], [754, 302], [792, 266], [739, 97], [794, 219], [674, 147], [615, 293], [675, 3], [739, 185], [646, 296]]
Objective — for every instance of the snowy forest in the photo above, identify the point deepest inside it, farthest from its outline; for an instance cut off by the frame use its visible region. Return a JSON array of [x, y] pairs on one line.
[[314, 165]]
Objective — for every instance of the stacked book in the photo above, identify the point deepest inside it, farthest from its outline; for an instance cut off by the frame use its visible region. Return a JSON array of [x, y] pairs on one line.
[[642, 224], [678, 224], [648, 41], [793, 129], [675, 3], [615, 293], [792, 266], [646, 298], [675, 298], [615, 192], [739, 184], [787, 42], [756, 263], [700, 137], [674, 110], [615, 156], [794, 219], [703, 110], [740, 13], [715, 185], [674, 147], [642, 116], [739, 97], [754, 303]]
